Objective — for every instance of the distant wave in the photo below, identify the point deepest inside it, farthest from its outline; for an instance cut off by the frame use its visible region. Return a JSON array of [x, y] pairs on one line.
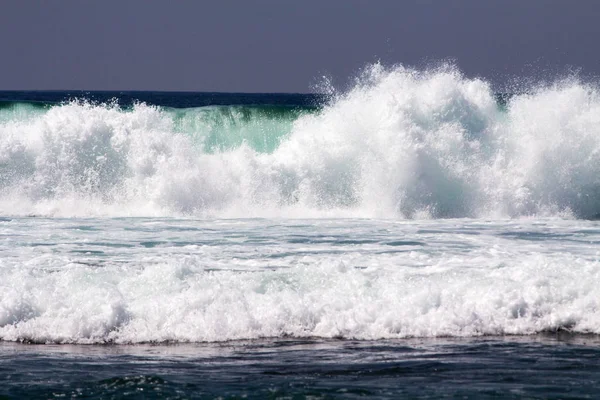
[[402, 143]]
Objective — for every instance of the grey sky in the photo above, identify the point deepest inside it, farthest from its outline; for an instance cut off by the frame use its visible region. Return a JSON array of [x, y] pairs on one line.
[[283, 45]]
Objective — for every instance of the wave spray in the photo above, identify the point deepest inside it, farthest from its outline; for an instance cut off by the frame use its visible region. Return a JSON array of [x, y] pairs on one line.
[[402, 143]]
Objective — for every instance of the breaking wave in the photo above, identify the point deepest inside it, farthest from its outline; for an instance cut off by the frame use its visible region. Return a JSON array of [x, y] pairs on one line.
[[402, 143]]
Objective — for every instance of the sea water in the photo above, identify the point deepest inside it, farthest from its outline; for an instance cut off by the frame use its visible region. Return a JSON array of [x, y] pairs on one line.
[[418, 235]]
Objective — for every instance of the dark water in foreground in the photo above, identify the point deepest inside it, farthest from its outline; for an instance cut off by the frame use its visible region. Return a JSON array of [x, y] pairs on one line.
[[543, 366]]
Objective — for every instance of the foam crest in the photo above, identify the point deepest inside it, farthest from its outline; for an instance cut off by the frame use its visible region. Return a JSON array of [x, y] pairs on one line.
[[402, 143], [317, 297], [552, 151]]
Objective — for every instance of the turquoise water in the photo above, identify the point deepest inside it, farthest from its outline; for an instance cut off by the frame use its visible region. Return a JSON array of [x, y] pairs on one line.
[[225, 128]]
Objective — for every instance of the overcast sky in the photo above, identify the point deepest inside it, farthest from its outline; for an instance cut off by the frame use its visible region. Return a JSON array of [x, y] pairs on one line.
[[283, 45]]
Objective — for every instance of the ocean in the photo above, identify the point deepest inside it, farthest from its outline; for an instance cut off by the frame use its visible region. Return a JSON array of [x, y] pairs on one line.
[[418, 235]]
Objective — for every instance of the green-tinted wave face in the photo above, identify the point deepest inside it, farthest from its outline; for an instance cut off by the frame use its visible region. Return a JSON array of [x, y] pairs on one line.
[[14, 111], [212, 128], [222, 128]]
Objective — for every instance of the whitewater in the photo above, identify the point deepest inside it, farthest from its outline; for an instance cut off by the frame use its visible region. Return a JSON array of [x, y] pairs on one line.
[[417, 204], [401, 144]]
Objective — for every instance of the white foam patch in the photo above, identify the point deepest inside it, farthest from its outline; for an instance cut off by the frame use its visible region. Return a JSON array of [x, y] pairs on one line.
[[186, 298]]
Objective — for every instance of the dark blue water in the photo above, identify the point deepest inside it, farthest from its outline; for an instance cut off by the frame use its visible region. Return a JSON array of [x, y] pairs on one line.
[[177, 99], [164, 99], [544, 367]]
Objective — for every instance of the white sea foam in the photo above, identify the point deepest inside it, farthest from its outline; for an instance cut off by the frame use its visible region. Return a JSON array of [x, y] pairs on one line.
[[158, 280], [401, 144]]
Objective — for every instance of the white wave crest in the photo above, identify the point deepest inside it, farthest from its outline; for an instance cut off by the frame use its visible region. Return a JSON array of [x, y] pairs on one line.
[[177, 298], [401, 144]]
